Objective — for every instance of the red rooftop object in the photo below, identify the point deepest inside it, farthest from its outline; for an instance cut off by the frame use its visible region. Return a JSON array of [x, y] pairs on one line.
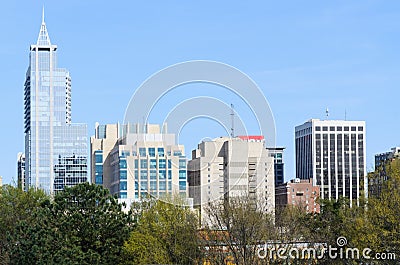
[[251, 137]]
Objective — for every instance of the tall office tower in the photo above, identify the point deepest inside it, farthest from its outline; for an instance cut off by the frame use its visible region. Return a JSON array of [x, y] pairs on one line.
[[231, 167], [21, 171], [137, 162], [49, 133], [279, 165], [332, 153]]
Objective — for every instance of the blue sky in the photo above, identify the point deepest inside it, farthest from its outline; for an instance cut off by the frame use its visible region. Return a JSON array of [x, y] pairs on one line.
[[304, 55]]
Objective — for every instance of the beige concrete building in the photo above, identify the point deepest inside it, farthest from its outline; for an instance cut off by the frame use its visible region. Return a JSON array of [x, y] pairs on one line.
[[136, 161], [228, 167], [299, 192]]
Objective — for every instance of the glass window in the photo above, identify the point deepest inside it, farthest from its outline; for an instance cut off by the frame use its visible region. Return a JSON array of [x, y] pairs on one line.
[[339, 128], [153, 174], [98, 158], [99, 169], [360, 128], [153, 185], [332, 128], [153, 163], [346, 128], [182, 163], [160, 151], [122, 163], [162, 185], [169, 185], [169, 163], [182, 174], [177, 153], [152, 152], [317, 128], [123, 185], [182, 185], [123, 195], [143, 185], [161, 163], [123, 174], [143, 163], [325, 128], [124, 153], [353, 128], [136, 174], [143, 174], [99, 179], [142, 151], [136, 163], [161, 174], [169, 174]]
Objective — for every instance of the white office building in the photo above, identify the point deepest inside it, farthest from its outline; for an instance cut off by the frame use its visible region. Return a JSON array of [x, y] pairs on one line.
[[231, 167], [332, 153]]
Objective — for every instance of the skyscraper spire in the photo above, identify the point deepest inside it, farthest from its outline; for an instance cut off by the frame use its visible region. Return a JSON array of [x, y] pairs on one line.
[[43, 15], [43, 38]]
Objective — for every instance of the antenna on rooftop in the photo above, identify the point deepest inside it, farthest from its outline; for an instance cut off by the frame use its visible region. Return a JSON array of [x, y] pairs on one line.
[[327, 113], [232, 122]]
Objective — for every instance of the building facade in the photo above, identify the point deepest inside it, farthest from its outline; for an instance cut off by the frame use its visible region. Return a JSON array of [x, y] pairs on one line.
[[279, 164], [21, 171], [136, 162], [49, 132], [332, 153], [380, 176], [231, 167], [383, 158], [298, 192]]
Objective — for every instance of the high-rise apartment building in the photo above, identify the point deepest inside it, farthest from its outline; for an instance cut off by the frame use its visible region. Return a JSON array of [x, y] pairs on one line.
[[50, 137], [21, 171], [231, 167], [137, 162], [332, 153], [279, 164]]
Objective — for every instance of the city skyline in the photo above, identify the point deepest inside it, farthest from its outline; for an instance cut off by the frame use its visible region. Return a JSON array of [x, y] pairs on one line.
[[342, 57]]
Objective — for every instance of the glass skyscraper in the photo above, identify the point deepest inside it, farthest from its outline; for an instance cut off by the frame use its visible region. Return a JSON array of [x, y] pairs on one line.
[[50, 137]]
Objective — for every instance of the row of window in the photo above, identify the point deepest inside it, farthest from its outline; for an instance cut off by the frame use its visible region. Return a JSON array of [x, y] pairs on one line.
[[340, 128], [162, 185]]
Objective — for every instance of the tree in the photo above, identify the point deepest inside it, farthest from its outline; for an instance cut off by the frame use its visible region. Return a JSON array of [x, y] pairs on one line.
[[15, 206], [235, 229], [165, 232], [83, 225]]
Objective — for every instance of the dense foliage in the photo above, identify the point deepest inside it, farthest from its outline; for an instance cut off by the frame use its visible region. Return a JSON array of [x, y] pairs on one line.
[[82, 225], [86, 225], [165, 233]]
